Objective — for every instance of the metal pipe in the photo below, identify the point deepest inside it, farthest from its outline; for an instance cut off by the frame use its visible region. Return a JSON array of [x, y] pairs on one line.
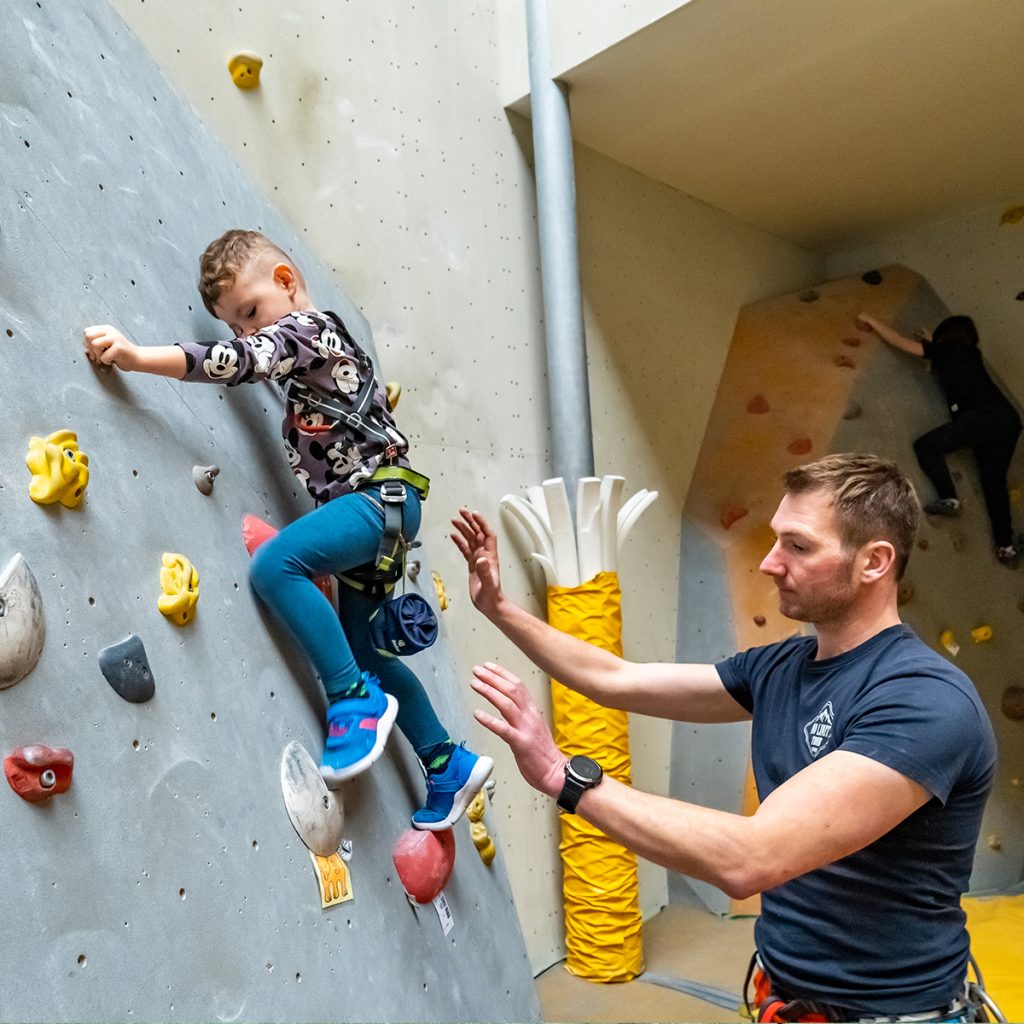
[[569, 393]]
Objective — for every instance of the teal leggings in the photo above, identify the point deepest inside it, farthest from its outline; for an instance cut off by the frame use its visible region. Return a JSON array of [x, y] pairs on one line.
[[333, 538]]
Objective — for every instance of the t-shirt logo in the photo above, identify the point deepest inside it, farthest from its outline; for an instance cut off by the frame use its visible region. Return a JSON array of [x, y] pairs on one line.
[[818, 731]]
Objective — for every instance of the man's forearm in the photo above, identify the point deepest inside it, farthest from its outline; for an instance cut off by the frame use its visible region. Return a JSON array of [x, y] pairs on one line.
[[588, 669]]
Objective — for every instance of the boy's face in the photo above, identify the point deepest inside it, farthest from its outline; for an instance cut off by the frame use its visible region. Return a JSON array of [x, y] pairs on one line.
[[263, 292]]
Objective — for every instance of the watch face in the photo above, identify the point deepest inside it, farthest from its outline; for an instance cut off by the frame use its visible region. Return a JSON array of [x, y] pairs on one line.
[[585, 768]]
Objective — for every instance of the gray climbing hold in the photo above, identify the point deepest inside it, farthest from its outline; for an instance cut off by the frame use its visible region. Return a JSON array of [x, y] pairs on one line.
[[22, 624], [124, 665], [202, 477], [314, 811]]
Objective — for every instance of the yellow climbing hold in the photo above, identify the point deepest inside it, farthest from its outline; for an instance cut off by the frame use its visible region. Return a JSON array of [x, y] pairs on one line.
[[948, 641], [478, 829], [981, 634], [179, 580], [394, 392], [442, 594], [245, 69], [1012, 215], [60, 472]]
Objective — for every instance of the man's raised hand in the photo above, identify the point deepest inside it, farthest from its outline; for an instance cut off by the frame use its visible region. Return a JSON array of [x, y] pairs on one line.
[[476, 540]]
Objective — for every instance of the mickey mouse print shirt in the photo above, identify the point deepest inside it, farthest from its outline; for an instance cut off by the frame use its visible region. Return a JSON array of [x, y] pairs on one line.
[[315, 349]]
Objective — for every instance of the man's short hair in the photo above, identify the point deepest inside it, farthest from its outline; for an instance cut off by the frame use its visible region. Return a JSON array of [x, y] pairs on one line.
[[872, 500], [225, 258]]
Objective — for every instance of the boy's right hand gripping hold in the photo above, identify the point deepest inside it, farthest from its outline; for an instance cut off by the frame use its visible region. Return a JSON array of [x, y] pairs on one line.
[[478, 543], [107, 346]]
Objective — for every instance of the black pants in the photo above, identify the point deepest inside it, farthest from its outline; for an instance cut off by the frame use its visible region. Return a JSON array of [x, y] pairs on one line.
[[992, 435]]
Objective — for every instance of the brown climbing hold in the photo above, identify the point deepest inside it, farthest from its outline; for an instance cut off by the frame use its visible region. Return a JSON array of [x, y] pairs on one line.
[[730, 515], [863, 325], [904, 592], [923, 543], [809, 296], [1013, 702], [959, 539], [852, 411], [758, 405], [759, 620], [1012, 215], [851, 342], [801, 446], [845, 361]]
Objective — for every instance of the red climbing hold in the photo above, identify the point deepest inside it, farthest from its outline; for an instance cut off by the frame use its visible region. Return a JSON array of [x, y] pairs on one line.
[[730, 515], [845, 361], [37, 772], [758, 405], [801, 446], [759, 620], [424, 862], [256, 532]]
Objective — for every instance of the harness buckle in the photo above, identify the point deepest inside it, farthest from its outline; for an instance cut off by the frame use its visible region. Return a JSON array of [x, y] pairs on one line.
[[391, 452], [392, 492]]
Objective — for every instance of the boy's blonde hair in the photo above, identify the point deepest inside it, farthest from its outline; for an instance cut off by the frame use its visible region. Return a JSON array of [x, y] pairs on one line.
[[225, 257]]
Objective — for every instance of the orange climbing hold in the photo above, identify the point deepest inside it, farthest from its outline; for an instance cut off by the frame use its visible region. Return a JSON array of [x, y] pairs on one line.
[[758, 405], [801, 446], [256, 532], [730, 515]]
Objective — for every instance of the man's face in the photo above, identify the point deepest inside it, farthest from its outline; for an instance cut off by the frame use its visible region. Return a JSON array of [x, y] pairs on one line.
[[257, 299], [814, 574]]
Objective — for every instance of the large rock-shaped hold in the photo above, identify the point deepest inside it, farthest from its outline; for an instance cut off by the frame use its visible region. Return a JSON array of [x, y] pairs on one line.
[[424, 861], [22, 624], [125, 666], [314, 811]]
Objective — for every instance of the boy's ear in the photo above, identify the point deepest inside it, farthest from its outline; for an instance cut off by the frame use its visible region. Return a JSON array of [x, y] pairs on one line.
[[284, 275]]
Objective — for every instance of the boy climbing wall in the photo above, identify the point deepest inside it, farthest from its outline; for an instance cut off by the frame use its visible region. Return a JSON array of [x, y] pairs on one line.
[[343, 444]]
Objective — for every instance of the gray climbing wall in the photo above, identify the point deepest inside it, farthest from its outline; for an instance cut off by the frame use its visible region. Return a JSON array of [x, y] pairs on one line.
[[168, 883]]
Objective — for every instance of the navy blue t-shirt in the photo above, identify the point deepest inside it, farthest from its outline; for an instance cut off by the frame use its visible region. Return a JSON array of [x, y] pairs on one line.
[[880, 931]]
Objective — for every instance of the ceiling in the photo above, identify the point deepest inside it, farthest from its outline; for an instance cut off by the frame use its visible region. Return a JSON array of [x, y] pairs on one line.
[[825, 122]]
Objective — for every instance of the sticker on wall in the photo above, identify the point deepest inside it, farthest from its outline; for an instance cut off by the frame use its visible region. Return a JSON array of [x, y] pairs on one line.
[[22, 623], [60, 472], [333, 878]]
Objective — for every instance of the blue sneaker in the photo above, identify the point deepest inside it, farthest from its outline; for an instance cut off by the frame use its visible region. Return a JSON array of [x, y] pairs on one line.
[[450, 792], [357, 730]]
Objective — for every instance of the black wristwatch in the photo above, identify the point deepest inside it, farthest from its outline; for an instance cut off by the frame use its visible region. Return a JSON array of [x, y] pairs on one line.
[[581, 773]]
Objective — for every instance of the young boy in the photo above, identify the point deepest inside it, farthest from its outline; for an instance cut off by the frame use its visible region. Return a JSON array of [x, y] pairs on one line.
[[342, 443]]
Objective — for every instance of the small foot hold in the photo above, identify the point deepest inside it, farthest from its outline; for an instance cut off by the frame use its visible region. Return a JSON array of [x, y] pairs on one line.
[[203, 476], [125, 666], [36, 772]]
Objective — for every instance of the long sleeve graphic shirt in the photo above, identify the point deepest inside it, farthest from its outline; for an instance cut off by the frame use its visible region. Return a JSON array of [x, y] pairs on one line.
[[313, 349]]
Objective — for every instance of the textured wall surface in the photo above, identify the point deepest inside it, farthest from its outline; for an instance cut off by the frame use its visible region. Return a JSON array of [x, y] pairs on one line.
[[167, 883]]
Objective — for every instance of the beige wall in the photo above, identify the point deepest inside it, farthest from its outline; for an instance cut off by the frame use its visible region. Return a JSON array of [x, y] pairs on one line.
[[380, 132], [976, 264], [578, 30]]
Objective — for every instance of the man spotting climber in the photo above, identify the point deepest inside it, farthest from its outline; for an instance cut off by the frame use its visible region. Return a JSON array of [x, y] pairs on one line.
[[873, 757]]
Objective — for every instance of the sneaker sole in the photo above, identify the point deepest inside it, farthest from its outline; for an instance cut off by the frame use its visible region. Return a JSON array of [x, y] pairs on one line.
[[463, 798], [334, 777]]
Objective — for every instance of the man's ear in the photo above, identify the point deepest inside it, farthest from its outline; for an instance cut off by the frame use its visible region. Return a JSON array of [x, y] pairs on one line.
[[879, 559], [284, 275]]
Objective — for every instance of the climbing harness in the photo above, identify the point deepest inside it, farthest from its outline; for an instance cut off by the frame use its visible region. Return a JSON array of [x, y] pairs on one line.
[[974, 1005]]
